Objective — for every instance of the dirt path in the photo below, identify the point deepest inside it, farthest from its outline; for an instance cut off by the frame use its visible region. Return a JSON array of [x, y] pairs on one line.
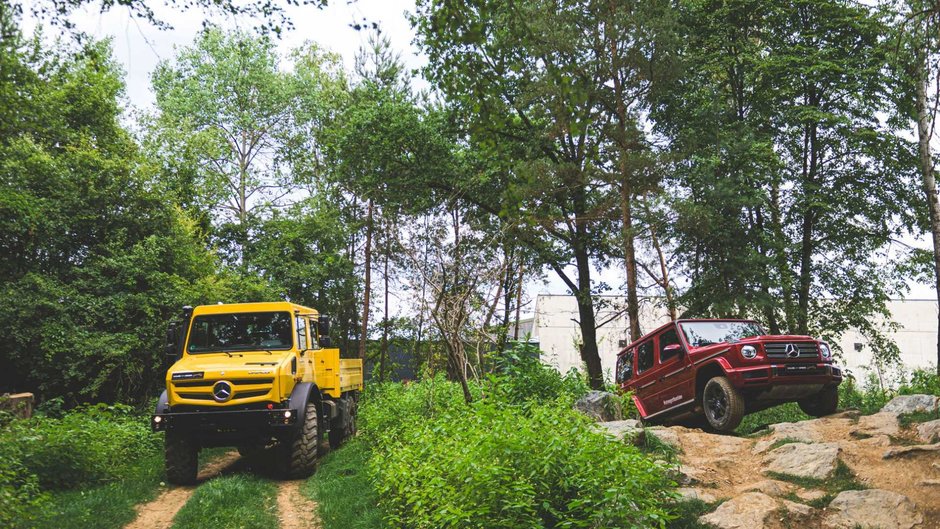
[[159, 513], [296, 510]]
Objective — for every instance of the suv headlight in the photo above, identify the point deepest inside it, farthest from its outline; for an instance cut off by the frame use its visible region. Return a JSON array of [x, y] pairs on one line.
[[826, 353], [749, 351]]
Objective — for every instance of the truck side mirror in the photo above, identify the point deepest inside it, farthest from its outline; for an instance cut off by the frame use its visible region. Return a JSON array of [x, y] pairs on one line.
[[323, 329], [171, 346]]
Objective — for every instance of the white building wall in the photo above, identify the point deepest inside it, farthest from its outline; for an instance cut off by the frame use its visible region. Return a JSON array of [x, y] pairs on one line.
[[554, 325]]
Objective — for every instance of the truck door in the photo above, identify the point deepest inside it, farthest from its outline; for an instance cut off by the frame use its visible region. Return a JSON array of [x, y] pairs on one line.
[[645, 378], [673, 372]]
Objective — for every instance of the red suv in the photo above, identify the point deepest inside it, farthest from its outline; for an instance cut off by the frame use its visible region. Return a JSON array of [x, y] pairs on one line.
[[722, 369]]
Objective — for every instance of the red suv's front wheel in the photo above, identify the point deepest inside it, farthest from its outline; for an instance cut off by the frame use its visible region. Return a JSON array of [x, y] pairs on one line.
[[724, 406]]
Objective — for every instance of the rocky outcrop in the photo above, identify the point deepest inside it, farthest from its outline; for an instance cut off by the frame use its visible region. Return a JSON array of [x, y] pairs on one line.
[[817, 460], [929, 432], [874, 508], [912, 404], [696, 494], [769, 487], [910, 450], [628, 429], [600, 406], [884, 423], [752, 510]]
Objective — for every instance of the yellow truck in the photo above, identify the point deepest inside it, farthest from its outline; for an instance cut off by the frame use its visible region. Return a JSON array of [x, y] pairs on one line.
[[261, 377]]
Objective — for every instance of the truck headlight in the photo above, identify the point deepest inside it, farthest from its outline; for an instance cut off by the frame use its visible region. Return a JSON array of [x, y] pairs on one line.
[[749, 351], [826, 352]]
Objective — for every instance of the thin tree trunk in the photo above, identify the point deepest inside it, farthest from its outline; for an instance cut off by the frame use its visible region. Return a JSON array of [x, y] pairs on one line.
[[589, 353], [924, 130], [368, 285], [667, 286], [515, 332], [384, 358]]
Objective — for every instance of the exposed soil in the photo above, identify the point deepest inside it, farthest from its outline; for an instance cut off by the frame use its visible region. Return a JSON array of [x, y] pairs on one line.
[[296, 510], [724, 466], [159, 513]]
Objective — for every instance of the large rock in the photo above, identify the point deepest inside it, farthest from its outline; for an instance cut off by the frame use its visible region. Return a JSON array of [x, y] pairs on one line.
[[911, 450], [883, 423], [769, 487], [817, 461], [628, 429], [600, 406], [911, 404], [665, 435], [874, 509], [696, 494], [747, 511], [809, 431], [929, 431]]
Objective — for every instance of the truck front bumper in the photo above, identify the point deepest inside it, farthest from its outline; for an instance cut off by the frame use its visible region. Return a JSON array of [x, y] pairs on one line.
[[278, 419]]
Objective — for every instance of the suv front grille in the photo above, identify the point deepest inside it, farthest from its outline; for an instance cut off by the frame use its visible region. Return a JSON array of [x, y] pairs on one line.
[[779, 349]]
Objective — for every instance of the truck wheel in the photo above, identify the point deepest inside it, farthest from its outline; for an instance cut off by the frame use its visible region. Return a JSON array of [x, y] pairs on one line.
[[300, 455], [724, 406], [181, 456], [826, 402], [338, 433]]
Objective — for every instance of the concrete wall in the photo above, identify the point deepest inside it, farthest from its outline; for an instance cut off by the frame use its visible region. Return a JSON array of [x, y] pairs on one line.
[[554, 325]]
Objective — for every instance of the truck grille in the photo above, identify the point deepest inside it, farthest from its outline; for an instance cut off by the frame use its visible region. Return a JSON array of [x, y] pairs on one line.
[[243, 388], [779, 349]]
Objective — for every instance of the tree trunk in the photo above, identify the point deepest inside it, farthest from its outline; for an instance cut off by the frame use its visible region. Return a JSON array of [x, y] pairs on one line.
[[368, 285], [515, 332], [629, 256], [589, 353], [924, 130], [383, 369]]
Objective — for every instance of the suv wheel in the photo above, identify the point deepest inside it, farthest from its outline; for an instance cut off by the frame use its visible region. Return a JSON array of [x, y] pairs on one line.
[[181, 456], [826, 402], [299, 455], [724, 406]]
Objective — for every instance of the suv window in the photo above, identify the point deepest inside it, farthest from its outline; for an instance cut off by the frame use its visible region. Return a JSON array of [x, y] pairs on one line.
[[644, 356], [625, 367], [670, 337]]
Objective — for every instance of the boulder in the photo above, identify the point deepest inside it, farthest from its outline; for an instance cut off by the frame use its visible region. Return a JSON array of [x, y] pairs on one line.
[[929, 432], [665, 435], [600, 406], [817, 460], [627, 429], [874, 509], [748, 511], [695, 494], [911, 450], [883, 423], [911, 404], [810, 495], [769, 487]]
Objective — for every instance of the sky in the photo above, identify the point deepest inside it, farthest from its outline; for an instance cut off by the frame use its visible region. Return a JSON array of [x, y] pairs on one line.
[[139, 47]]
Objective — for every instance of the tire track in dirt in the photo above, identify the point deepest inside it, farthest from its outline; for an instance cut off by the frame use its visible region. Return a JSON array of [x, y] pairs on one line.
[[296, 511], [159, 512]]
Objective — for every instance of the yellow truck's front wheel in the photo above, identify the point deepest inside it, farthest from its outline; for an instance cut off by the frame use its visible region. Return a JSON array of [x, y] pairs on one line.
[[298, 456], [181, 455]]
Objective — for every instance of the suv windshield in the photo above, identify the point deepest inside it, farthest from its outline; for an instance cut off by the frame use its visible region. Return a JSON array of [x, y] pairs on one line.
[[240, 332], [699, 333]]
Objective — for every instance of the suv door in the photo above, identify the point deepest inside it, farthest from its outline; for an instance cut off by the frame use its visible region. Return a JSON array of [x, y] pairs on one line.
[[645, 376], [673, 386]]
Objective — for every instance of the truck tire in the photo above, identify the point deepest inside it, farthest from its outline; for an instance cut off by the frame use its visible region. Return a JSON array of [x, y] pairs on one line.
[[300, 454], [181, 456], [826, 402], [340, 432], [724, 406]]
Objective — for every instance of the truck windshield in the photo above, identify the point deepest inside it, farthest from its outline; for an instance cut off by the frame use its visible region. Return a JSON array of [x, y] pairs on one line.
[[699, 333], [240, 332]]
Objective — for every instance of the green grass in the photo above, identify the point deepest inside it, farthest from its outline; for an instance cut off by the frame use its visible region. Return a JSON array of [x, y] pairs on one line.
[[105, 507], [755, 422], [687, 513], [917, 417], [655, 447], [239, 501], [785, 441], [341, 487], [842, 479]]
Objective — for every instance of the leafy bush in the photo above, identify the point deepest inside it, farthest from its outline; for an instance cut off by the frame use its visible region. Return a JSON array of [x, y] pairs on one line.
[[20, 496], [91, 445], [439, 463], [922, 381], [522, 378]]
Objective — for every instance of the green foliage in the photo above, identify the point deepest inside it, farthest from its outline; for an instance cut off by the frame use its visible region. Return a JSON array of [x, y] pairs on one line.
[[922, 381], [755, 422], [440, 463], [687, 513], [868, 399], [88, 446], [239, 500], [521, 377], [343, 491]]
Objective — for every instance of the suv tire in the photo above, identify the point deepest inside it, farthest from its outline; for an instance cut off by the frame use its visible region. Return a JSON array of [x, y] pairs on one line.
[[181, 456], [723, 405], [299, 455], [826, 402]]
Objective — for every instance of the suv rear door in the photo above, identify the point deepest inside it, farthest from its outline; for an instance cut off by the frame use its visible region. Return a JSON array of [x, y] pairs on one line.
[[673, 386], [645, 377]]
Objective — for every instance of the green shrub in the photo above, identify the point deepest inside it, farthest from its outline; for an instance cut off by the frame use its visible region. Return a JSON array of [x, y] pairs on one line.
[[492, 465], [90, 445], [21, 499], [522, 378], [922, 381]]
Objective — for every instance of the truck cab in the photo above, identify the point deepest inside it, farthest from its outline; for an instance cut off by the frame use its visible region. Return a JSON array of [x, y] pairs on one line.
[[719, 370], [261, 377]]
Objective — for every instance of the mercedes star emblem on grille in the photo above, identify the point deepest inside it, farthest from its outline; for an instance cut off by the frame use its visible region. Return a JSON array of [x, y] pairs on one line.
[[792, 350], [222, 391]]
